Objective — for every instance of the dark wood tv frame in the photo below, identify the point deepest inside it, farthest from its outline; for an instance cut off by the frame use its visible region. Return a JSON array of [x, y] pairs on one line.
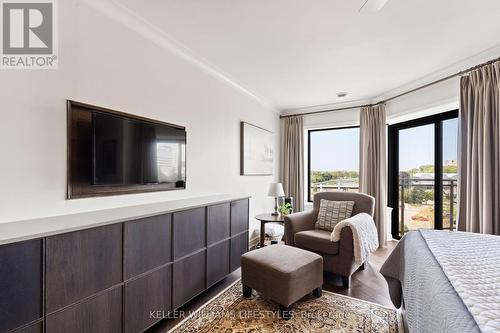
[[79, 176]]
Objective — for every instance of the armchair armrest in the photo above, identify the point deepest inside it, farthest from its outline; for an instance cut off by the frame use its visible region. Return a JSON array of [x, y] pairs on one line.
[[344, 262], [346, 243], [297, 222]]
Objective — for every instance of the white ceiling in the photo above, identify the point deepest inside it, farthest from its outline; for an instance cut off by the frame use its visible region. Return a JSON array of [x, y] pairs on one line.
[[301, 53]]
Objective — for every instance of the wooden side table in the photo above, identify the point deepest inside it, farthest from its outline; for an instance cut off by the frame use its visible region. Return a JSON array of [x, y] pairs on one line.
[[267, 218]]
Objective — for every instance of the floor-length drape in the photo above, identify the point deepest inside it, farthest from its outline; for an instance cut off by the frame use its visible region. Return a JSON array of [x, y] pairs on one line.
[[479, 151], [292, 159], [372, 162]]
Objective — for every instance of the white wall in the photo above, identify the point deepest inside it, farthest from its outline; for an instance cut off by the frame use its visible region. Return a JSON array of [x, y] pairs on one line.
[[332, 119], [105, 63], [435, 99]]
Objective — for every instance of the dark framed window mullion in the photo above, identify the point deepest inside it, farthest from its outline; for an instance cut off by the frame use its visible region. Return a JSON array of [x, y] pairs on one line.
[[393, 182], [438, 175]]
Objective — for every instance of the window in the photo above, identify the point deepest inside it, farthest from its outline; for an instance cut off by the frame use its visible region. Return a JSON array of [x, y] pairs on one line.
[[423, 173], [333, 160]]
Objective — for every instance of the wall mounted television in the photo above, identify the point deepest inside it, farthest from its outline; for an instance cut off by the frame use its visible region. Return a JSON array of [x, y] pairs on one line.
[[111, 152]]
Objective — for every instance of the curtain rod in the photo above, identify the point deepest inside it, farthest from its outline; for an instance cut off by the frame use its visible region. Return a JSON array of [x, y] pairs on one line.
[[463, 72]]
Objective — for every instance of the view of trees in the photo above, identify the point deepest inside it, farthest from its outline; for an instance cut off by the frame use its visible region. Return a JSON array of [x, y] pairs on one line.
[[430, 169], [325, 176], [413, 195], [417, 195]]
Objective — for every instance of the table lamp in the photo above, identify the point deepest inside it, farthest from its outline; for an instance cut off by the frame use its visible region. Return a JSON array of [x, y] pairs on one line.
[[276, 191]]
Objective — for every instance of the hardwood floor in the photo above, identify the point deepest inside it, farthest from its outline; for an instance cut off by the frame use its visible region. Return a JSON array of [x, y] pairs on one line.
[[368, 285]]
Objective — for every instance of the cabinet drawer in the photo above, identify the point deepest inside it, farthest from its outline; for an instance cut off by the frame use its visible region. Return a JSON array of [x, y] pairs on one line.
[[189, 278], [152, 292], [239, 216], [218, 262], [239, 246], [20, 284], [82, 263], [218, 223], [148, 244], [189, 231], [100, 314], [33, 328]]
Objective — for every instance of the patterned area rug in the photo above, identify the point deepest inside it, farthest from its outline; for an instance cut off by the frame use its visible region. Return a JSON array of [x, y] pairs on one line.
[[229, 312]]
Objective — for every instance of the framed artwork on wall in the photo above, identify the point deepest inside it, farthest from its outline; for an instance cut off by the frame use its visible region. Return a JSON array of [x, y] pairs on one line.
[[257, 150]]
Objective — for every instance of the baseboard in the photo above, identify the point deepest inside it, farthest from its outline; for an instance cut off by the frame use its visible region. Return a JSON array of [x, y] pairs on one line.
[[252, 244]]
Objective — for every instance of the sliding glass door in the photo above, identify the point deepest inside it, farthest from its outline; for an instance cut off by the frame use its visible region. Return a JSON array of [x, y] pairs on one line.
[[422, 173]]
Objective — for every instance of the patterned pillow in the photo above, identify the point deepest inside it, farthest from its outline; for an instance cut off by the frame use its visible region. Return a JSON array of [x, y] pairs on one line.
[[333, 212]]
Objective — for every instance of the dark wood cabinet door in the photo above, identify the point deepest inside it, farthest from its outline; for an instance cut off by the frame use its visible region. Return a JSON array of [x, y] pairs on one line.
[[218, 223], [20, 284], [189, 231], [100, 314], [239, 216], [82, 263], [218, 262], [33, 328], [147, 245], [149, 293], [239, 246], [189, 278]]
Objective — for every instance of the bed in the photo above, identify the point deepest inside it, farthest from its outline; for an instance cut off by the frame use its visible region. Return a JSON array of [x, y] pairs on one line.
[[446, 281]]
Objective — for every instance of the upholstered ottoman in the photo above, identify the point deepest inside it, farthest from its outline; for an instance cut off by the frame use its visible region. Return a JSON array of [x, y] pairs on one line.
[[282, 273]]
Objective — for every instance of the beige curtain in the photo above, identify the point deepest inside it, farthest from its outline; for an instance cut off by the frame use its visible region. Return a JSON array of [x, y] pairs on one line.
[[372, 162], [479, 151], [292, 159]]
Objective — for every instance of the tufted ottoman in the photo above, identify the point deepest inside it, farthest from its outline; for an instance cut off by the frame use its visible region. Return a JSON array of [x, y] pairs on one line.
[[282, 273]]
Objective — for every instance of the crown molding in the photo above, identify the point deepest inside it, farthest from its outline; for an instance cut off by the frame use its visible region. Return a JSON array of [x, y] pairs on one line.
[[122, 14]]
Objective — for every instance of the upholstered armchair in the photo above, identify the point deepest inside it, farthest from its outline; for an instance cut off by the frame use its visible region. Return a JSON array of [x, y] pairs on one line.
[[338, 257]]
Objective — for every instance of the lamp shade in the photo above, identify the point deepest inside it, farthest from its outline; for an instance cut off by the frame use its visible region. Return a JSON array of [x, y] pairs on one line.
[[276, 190]]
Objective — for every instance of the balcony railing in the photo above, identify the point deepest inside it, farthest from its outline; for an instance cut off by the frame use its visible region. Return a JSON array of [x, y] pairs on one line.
[[449, 190], [322, 187]]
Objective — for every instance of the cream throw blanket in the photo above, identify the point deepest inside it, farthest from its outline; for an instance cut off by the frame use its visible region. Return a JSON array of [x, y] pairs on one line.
[[364, 234]]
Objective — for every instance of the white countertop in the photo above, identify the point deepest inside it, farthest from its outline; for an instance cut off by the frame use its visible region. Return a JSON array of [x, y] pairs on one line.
[[17, 231]]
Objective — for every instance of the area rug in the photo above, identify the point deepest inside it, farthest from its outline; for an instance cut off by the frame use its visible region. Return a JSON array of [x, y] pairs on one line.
[[229, 312]]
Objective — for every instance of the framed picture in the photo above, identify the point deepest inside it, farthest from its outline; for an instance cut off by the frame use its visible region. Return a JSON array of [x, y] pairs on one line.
[[257, 151]]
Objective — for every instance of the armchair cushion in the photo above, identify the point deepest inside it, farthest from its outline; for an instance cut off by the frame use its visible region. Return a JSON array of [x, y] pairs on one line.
[[316, 241]]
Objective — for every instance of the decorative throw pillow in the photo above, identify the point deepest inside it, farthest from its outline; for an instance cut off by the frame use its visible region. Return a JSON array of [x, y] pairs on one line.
[[333, 212]]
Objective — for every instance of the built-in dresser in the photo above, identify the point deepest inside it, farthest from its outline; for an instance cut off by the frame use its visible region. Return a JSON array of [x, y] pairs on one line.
[[118, 276]]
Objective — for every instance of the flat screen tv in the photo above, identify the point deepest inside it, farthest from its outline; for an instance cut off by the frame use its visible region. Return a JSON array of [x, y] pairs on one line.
[[127, 152], [112, 153]]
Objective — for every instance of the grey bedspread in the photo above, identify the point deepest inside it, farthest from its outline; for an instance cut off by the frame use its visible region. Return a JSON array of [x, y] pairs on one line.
[[430, 300]]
